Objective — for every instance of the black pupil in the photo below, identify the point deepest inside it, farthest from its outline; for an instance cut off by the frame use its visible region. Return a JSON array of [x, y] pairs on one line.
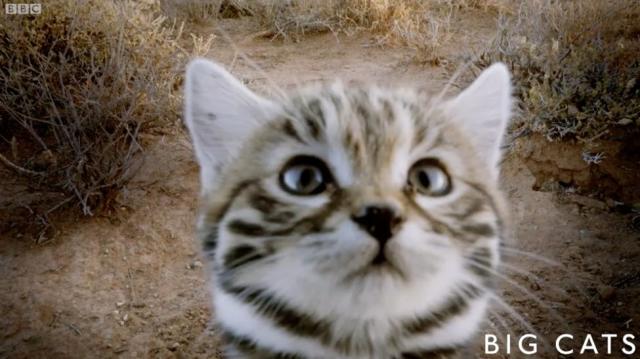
[[424, 179], [308, 179]]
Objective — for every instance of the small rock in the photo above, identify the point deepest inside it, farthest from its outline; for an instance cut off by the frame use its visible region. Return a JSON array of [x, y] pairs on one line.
[[125, 318], [606, 292], [197, 264], [174, 346], [625, 121], [535, 286], [589, 202], [119, 304], [586, 234], [573, 110]]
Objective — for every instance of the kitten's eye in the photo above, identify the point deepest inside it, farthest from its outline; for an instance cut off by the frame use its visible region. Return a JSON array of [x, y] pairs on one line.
[[428, 177], [305, 176]]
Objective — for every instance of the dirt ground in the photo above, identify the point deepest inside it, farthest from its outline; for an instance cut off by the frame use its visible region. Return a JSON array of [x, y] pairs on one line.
[[132, 283]]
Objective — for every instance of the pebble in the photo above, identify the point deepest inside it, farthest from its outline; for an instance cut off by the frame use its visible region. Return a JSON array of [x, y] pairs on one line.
[[535, 286], [606, 292], [586, 234]]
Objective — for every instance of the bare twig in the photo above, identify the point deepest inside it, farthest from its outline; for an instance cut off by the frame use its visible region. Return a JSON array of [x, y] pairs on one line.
[[18, 169]]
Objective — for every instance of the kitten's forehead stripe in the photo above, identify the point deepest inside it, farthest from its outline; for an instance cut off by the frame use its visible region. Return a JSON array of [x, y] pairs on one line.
[[289, 129]]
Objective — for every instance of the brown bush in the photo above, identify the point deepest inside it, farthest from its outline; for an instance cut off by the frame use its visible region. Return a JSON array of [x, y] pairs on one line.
[[423, 25], [198, 11], [577, 70], [577, 66], [78, 84]]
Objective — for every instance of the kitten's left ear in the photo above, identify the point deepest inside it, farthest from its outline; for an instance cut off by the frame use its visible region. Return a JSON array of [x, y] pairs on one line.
[[484, 108]]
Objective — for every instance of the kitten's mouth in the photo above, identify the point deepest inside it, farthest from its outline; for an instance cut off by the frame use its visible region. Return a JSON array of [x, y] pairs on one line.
[[382, 263], [379, 265], [380, 258]]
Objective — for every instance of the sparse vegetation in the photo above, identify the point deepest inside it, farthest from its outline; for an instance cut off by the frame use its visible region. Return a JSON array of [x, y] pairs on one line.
[[201, 10], [577, 75], [89, 85], [577, 66], [424, 26], [78, 85]]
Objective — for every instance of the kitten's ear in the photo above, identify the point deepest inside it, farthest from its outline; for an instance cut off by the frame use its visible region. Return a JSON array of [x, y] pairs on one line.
[[484, 108], [220, 113]]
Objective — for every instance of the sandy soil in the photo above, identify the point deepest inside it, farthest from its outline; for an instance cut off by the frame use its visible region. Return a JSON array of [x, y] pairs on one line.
[[131, 283]]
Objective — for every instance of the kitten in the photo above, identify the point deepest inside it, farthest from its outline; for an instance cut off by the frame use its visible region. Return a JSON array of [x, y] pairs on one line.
[[349, 221]]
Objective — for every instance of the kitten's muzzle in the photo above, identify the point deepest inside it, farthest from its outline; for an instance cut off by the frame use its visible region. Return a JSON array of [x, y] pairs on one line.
[[381, 222]]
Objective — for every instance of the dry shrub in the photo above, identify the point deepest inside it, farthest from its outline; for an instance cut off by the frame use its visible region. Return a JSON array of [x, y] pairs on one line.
[[199, 11], [423, 25], [576, 64], [78, 85], [577, 70]]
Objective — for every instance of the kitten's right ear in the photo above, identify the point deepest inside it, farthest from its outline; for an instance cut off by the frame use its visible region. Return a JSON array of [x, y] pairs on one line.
[[220, 113], [484, 109]]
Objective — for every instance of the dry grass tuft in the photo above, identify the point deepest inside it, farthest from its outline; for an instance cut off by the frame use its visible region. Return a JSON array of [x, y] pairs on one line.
[[423, 25], [200, 11], [577, 75], [78, 85], [577, 67]]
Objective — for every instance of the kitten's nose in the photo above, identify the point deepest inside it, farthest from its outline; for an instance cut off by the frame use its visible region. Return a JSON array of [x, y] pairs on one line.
[[380, 222]]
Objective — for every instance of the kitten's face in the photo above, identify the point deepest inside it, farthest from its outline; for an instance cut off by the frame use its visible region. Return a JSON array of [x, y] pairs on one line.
[[358, 186], [350, 202]]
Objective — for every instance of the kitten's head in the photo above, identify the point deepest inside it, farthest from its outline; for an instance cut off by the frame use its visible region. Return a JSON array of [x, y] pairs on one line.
[[365, 193]]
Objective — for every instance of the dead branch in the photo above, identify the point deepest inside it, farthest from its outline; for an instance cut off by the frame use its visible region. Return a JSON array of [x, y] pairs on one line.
[[18, 169]]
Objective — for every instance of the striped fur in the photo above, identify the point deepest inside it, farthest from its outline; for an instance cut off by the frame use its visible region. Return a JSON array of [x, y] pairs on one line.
[[293, 276]]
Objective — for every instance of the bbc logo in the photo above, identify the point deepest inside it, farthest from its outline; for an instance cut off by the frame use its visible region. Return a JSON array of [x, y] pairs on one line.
[[23, 9]]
